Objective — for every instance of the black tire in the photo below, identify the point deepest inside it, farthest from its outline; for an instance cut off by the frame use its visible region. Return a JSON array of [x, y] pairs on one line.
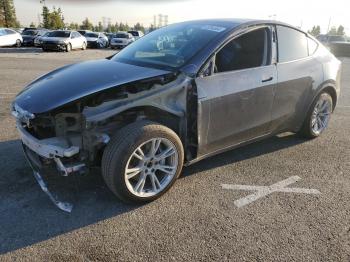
[[120, 148], [306, 130], [68, 47], [18, 43]]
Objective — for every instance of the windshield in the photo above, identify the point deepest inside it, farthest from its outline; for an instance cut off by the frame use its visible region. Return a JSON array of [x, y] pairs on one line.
[[121, 36], [59, 34], [171, 46], [29, 32], [91, 35], [134, 33]]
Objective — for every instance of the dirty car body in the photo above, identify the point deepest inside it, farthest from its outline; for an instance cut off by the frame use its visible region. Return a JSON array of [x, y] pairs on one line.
[[188, 77]]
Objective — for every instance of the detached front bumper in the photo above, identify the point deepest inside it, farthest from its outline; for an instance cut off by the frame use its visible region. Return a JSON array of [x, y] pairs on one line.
[[41, 152]]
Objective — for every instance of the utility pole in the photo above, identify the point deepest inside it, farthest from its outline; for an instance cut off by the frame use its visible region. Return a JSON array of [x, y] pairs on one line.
[[329, 24]]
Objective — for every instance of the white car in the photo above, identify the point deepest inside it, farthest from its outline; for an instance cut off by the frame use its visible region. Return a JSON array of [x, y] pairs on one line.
[[64, 40], [9, 37], [122, 39], [136, 34], [96, 40]]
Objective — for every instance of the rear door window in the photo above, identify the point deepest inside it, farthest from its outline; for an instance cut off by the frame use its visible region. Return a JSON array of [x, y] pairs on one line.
[[250, 50], [292, 44]]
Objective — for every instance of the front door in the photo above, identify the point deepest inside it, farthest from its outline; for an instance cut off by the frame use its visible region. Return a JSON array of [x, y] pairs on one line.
[[234, 102]]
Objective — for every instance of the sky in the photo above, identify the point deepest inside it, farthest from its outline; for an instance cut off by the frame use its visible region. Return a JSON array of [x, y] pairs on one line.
[[301, 13]]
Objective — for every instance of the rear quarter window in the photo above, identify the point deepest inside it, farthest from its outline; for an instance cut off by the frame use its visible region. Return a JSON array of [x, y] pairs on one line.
[[312, 45], [292, 44]]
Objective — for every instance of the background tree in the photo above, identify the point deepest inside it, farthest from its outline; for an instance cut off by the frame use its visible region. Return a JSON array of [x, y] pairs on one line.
[[73, 26], [315, 31], [123, 27], [87, 25], [340, 30], [139, 27], [333, 31], [56, 20], [152, 28], [45, 14], [32, 24], [8, 14], [99, 27]]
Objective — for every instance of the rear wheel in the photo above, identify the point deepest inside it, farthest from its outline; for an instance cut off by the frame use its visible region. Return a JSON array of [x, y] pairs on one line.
[[142, 161], [318, 117], [84, 46]]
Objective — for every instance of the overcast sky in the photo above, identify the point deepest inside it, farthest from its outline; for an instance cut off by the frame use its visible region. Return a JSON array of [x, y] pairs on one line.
[[304, 13]]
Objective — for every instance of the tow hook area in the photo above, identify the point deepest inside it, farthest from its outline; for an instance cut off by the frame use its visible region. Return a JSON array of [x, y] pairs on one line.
[[66, 170]]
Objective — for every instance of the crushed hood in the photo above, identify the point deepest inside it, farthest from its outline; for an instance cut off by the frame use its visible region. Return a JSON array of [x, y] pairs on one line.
[[73, 82]]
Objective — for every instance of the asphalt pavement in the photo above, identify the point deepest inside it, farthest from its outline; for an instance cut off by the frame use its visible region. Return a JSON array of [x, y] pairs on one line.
[[204, 217]]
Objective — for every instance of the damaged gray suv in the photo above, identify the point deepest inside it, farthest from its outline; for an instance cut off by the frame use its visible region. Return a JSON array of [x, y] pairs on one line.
[[179, 94]]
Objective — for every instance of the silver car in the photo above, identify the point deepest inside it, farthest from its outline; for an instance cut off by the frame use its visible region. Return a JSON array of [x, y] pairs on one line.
[[179, 94], [121, 40], [63, 40]]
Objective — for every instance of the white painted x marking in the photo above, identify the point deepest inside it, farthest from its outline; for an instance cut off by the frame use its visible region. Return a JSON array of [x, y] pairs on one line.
[[262, 191]]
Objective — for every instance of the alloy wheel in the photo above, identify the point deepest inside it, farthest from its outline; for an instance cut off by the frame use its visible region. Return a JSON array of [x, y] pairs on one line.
[[151, 167], [321, 115]]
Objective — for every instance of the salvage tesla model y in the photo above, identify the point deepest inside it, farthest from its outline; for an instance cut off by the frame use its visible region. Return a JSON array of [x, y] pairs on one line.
[[179, 94]]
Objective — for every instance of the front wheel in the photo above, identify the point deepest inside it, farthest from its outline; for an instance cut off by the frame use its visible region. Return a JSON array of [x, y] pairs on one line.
[[68, 47], [318, 117], [142, 161], [18, 43], [84, 46]]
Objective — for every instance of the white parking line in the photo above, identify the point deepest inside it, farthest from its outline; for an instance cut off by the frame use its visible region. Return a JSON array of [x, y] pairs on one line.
[[262, 191]]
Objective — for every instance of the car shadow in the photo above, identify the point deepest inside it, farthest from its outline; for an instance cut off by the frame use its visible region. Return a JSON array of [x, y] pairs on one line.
[[262, 147], [28, 216]]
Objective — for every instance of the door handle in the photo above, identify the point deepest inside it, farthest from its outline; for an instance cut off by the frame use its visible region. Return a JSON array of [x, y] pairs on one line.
[[267, 79]]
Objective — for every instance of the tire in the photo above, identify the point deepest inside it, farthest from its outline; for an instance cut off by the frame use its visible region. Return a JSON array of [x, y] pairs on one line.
[[120, 154], [18, 43], [84, 46], [317, 120], [68, 47]]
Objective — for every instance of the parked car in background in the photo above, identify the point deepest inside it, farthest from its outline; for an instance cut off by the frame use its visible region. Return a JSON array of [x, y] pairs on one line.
[[121, 40], [136, 34], [30, 35], [96, 40], [83, 32], [327, 39], [337, 44], [217, 85], [9, 37], [109, 36], [39, 40], [64, 40]]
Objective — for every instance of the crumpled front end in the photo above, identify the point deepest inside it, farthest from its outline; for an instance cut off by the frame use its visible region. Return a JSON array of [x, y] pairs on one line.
[[53, 141]]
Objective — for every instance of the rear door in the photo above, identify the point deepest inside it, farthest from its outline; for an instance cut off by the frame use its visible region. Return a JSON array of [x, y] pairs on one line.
[[235, 100], [298, 71]]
